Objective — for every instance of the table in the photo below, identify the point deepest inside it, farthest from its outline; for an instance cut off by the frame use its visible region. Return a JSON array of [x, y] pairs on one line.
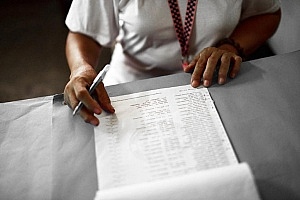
[[41, 157]]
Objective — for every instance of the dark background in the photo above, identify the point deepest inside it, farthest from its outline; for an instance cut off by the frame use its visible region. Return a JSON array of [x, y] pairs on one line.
[[32, 42], [32, 48]]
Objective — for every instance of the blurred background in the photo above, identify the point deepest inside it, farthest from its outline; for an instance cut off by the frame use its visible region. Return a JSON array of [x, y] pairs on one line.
[[32, 48], [32, 45], [32, 42]]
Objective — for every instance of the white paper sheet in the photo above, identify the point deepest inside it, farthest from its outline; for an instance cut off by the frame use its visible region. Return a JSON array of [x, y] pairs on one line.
[[160, 134], [234, 182], [25, 149], [73, 156]]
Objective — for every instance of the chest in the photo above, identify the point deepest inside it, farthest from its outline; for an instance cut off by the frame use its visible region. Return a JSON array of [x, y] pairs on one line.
[[153, 18]]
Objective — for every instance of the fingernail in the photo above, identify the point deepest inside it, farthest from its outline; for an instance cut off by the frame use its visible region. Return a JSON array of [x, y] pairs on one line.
[[112, 109], [97, 111], [194, 84], [221, 81], [94, 122], [206, 83]]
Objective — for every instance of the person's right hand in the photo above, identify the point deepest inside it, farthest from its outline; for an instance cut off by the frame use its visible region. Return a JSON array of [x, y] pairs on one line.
[[77, 90]]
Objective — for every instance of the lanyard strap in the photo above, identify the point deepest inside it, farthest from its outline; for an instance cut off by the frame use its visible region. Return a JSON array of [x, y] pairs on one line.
[[183, 33]]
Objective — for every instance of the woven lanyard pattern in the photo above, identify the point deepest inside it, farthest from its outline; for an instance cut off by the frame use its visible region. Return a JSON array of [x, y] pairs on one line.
[[183, 33]]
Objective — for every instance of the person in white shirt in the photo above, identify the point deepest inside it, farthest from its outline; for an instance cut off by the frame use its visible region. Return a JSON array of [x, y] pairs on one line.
[[146, 43]]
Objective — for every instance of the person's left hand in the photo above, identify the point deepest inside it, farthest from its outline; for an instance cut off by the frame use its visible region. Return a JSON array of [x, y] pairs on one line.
[[205, 64]]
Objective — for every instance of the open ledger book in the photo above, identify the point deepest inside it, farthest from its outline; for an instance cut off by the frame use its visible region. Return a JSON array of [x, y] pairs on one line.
[[168, 144]]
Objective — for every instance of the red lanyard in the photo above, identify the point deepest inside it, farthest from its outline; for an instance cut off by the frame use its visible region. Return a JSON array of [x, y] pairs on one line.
[[183, 33]]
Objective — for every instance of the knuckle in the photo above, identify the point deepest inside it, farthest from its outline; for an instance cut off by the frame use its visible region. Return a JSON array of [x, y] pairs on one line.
[[225, 58], [200, 66], [81, 93], [68, 87], [222, 73], [212, 59], [196, 77], [198, 71], [201, 62], [206, 49], [224, 68], [215, 57], [210, 49], [206, 75]]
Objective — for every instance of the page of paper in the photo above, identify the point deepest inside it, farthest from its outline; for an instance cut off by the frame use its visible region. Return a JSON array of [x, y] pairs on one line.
[[25, 149], [159, 134], [73, 155], [234, 182]]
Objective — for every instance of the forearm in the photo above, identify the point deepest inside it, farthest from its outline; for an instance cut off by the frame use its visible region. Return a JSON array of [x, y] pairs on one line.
[[82, 52], [254, 31]]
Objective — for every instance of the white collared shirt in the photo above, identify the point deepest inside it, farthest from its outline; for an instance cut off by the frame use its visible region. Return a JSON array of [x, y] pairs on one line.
[[143, 34]]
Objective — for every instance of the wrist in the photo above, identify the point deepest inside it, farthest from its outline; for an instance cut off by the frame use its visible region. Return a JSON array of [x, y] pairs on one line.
[[82, 69], [232, 46]]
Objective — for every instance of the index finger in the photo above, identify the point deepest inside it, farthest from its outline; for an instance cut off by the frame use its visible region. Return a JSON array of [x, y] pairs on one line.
[[84, 96]]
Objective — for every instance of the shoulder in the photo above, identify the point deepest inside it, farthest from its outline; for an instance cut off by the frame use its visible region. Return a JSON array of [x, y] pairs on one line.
[[257, 7]]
